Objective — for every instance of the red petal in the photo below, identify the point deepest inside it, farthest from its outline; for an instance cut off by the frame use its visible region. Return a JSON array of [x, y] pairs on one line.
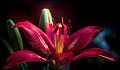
[[96, 52], [49, 30], [62, 56], [36, 37], [21, 57], [81, 38], [93, 52], [68, 55]]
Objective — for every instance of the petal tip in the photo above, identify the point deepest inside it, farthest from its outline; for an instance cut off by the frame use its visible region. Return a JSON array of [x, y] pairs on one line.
[[98, 28], [107, 58], [101, 29]]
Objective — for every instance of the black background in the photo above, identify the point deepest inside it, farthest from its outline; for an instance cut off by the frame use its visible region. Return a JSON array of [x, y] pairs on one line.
[[81, 13]]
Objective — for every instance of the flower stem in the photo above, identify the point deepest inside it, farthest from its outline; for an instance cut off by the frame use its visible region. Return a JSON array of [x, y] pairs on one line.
[[48, 67]]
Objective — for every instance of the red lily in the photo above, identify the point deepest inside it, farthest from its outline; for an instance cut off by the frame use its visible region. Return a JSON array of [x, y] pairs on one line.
[[55, 46]]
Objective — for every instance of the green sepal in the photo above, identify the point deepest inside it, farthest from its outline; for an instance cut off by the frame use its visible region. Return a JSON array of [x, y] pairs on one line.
[[46, 67], [7, 46], [14, 36], [10, 50], [45, 18]]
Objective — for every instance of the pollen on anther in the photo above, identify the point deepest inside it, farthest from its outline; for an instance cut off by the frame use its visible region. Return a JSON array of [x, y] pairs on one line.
[[59, 25]]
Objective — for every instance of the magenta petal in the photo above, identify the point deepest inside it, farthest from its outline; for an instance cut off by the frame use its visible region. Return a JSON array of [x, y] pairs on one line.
[[36, 37], [62, 56], [95, 52], [21, 57], [49, 30], [81, 38], [68, 55]]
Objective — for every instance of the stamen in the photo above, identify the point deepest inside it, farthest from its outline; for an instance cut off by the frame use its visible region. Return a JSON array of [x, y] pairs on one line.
[[59, 43], [54, 23], [56, 28], [69, 27], [68, 24], [62, 23], [69, 30]]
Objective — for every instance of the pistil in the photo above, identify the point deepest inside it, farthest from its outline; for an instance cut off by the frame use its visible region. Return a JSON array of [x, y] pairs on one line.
[[60, 39]]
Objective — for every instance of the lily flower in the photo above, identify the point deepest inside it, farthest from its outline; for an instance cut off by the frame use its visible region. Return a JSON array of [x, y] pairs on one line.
[[55, 46]]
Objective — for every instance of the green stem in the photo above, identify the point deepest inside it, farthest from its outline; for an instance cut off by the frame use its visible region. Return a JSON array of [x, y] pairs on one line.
[[22, 66], [48, 67]]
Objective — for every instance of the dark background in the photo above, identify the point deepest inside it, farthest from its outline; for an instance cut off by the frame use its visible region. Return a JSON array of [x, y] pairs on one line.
[[81, 14]]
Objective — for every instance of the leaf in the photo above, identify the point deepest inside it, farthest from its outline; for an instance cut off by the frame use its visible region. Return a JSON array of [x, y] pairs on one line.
[[7, 46], [45, 18], [14, 36]]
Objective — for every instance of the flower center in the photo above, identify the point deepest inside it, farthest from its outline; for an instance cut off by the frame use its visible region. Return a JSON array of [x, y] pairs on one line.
[[62, 34]]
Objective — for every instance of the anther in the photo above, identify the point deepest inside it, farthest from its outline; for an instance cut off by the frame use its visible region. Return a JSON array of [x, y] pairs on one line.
[[69, 27], [62, 23], [54, 23], [68, 31], [68, 24]]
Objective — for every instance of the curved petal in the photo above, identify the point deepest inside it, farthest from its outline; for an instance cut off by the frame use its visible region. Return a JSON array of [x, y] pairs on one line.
[[93, 52], [21, 57], [81, 38], [96, 52], [36, 37]]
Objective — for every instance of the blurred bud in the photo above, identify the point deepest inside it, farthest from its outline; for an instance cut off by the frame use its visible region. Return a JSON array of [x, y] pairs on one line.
[[45, 18]]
